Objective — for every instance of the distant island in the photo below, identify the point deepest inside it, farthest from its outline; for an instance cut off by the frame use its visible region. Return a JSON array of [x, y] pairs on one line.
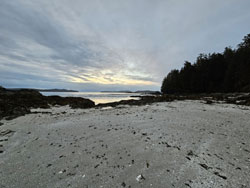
[[139, 91], [44, 90], [122, 91], [57, 90]]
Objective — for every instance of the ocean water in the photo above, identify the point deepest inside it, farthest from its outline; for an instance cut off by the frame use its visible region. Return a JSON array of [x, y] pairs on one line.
[[97, 97]]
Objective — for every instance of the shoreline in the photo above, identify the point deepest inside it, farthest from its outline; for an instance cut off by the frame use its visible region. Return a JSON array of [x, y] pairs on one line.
[[20, 102]]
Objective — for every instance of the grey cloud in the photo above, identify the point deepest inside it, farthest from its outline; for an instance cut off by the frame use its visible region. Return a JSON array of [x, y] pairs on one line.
[[25, 22], [144, 78], [20, 76], [48, 41]]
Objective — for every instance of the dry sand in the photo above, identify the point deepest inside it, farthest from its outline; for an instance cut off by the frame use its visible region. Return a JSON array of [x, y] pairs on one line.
[[177, 144]]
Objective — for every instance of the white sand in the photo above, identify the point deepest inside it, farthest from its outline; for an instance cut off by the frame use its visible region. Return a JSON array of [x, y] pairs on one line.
[[177, 144]]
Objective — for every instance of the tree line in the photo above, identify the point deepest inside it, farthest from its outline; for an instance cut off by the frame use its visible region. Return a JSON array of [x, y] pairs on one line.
[[218, 72]]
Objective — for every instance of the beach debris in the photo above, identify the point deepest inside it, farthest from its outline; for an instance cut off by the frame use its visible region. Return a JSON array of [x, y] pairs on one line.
[[167, 145], [4, 139], [190, 153], [203, 165], [221, 176], [107, 108], [61, 171], [140, 178], [246, 150], [123, 184], [219, 157], [1, 148], [6, 132], [71, 174], [176, 147]]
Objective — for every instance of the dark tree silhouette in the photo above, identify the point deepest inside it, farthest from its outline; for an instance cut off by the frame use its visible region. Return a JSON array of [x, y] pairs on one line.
[[218, 72]]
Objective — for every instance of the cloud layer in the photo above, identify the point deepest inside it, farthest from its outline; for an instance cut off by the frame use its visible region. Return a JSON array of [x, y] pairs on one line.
[[111, 44]]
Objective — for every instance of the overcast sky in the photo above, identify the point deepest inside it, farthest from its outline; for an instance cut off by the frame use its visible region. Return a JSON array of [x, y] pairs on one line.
[[93, 45]]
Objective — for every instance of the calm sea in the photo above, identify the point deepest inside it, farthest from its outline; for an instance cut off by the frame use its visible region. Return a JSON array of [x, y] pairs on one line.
[[97, 97]]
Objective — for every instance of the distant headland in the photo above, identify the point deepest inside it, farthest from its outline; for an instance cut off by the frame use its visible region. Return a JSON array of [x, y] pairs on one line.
[[45, 90]]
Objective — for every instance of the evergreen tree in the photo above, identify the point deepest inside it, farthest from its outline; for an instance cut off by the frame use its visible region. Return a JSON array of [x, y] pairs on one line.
[[226, 72]]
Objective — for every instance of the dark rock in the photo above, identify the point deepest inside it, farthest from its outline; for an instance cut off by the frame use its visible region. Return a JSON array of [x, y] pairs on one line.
[[73, 102], [142, 101], [233, 98], [209, 102], [2, 89], [15, 103]]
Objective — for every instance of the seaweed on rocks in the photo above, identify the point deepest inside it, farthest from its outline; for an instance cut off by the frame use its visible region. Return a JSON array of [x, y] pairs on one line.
[[15, 103]]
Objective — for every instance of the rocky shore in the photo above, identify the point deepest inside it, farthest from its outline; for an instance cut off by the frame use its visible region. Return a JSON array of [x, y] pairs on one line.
[[229, 98], [20, 102]]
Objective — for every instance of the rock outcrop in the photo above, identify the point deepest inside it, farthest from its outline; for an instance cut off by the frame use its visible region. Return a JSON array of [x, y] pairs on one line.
[[16, 103]]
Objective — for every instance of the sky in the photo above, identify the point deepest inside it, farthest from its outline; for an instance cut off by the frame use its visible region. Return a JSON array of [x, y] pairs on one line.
[[95, 45]]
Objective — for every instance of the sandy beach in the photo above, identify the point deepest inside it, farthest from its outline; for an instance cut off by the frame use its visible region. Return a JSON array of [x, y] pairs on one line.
[[175, 144]]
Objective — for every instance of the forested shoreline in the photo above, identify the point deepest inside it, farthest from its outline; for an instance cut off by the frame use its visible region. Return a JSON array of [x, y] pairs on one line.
[[217, 72]]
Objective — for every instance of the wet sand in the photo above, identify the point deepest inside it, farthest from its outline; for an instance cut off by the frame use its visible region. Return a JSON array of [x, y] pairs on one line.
[[176, 144]]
